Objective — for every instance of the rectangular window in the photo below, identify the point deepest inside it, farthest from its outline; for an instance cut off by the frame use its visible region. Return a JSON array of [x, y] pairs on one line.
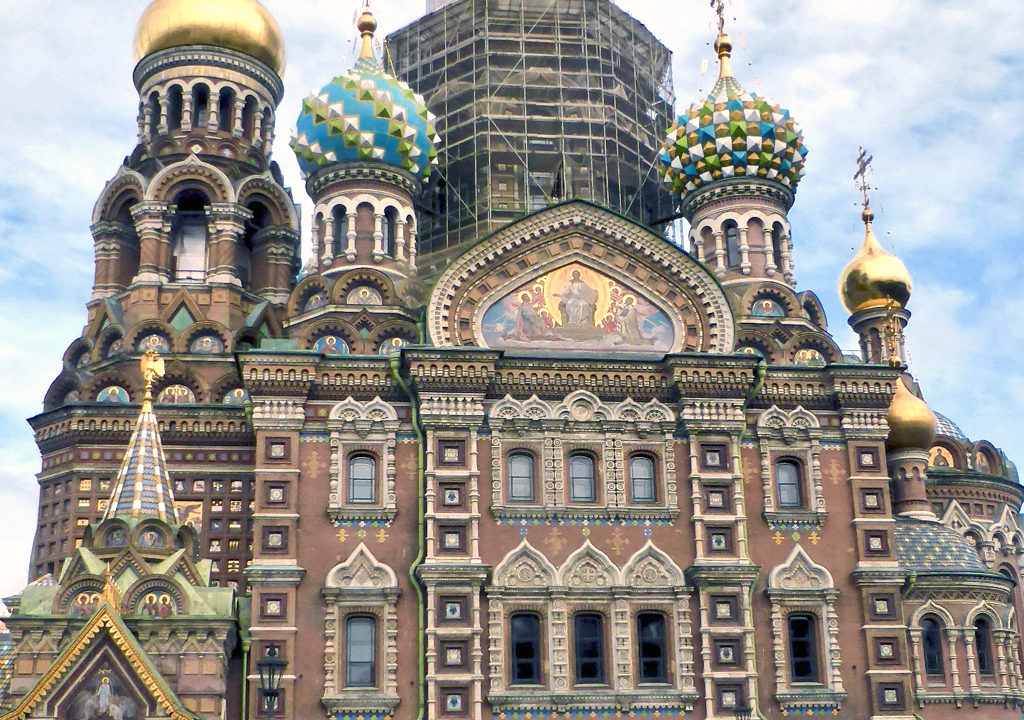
[[641, 479], [520, 477], [588, 630], [789, 484], [581, 478], [360, 651], [524, 640], [803, 652], [650, 632], [362, 479]]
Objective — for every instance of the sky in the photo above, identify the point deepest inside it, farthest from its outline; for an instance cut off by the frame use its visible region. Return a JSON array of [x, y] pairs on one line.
[[925, 85]]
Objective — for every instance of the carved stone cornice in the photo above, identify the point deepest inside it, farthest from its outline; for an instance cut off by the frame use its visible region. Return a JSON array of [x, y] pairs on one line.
[[217, 57], [361, 171]]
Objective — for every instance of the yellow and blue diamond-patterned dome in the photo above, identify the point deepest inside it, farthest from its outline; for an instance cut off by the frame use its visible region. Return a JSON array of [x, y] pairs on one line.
[[732, 133], [363, 115]]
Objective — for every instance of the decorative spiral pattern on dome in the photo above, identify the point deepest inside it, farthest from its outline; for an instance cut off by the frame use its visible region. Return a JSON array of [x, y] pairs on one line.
[[366, 114], [733, 133]]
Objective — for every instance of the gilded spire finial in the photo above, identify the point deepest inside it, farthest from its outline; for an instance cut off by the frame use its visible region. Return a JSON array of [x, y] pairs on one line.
[[367, 24], [723, 45], [152, 366], [861, 178], [111, 593]]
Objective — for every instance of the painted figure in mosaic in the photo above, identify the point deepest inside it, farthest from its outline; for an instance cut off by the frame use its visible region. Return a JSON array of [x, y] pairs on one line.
[[628, 324], [577, 304], [529, 323]]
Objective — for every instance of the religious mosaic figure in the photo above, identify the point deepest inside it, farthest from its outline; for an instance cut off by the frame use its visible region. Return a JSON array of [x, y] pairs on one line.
[[578, 303], [530, 324], [103, 698], [628, 324]]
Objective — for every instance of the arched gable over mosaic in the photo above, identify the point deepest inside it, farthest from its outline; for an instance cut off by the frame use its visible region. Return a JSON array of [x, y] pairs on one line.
[[577, 277]]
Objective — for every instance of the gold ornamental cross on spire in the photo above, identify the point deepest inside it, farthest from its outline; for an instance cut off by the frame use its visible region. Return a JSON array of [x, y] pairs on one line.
[[719, 6], [152, 366], [861, 176]]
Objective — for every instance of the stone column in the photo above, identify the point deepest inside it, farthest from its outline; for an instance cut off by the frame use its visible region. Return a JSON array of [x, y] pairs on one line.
[[186, 111], [787, 262], [226, 227], [744, 252], [152, 223], [350, 238], [719, 253], [412, 248], [257, 128], [329, 248], [378, 237], [769, 251], [162, 127], [400, 240], [237, 129]]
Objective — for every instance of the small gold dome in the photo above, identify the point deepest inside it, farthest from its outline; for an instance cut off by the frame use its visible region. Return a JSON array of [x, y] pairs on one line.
[[241, 25], [874, 277], [911, 421]]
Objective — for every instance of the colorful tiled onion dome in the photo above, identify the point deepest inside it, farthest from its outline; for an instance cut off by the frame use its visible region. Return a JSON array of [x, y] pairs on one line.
[[732, 133], [366, 115]]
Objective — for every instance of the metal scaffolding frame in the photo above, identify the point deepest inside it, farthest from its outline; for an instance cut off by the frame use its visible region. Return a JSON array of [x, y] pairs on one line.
[[537, 101]]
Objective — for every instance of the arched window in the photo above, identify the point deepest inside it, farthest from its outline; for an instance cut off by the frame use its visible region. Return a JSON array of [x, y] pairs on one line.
[[520, 477], [732, 245], [249, 117], [803, 648], [874, 346], [360, 651], [789, 484], [390, 229], [268, 123], [581, 478], [189, 247], [931, 646], [200, 106], [650, 635], [524, 644], [641, 479], [588, 642], [362, 479], [174, 108], [226, 110], [777, 245], [983, 646], [154, 113]]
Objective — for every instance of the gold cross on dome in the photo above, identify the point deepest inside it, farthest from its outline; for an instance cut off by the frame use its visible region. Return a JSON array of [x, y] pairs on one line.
[[719, 6], [861, 176]]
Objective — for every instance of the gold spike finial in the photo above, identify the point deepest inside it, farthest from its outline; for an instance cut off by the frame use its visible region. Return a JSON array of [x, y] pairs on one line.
[[367, 24], [723, 45], [152, 366], [111, 593]]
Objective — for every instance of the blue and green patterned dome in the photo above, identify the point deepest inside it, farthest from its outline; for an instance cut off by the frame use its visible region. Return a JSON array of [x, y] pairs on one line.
[[732, 133], [366, 114]]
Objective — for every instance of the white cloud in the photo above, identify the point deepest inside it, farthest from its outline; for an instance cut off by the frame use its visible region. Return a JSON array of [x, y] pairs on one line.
[[931, 87]]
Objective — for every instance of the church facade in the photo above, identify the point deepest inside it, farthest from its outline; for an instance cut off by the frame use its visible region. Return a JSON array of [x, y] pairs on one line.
[[566, 470]]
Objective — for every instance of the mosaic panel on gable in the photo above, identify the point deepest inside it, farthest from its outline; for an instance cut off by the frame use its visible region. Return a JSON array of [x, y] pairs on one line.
[[810, 357], [113, 394], [176, 395], [364, 295], [767, 307], [392, 346], [103, 696], [154, 341], [315, 301], [84, 603], [207, 344], [575, 307], [238, 396], [331, 345], [159, 603]]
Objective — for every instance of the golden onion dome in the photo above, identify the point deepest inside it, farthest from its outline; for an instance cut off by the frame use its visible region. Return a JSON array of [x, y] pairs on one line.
[[242, 25], [911, 421], [874, 277]]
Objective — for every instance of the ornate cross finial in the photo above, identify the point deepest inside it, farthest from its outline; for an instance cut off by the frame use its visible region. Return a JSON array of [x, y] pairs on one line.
[[719, 6], [152, 366], [861, 176]]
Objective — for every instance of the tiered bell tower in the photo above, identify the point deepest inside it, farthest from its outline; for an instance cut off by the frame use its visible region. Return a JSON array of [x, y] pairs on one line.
[[197, 249]]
